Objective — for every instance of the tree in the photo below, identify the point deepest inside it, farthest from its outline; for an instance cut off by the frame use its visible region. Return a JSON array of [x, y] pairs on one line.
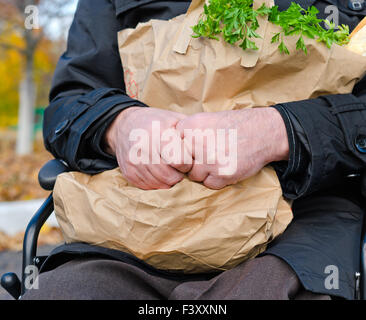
[[29, 19]]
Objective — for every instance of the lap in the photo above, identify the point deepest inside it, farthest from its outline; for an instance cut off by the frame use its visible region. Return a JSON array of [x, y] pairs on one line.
[[266, 277]]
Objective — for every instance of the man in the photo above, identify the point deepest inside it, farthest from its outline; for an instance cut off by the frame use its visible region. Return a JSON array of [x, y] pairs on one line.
[[315, 146]]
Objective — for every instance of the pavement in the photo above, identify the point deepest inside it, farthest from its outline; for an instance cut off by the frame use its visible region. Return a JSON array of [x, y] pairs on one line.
[[15, 215], [11, 261]]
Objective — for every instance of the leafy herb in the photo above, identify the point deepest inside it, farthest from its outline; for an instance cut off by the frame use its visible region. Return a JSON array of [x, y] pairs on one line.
[[236, 21]]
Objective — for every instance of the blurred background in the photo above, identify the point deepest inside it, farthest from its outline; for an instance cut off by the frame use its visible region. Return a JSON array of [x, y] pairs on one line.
[[33, 35]]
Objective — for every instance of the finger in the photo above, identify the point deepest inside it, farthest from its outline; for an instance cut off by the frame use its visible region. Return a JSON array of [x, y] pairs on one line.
[[185, 162], [151, 182], [215, 182], [141, 178], [175, 152], [165, 174], [129, 171], [132, 176], [180, 126], [180, 116], [198, 173]]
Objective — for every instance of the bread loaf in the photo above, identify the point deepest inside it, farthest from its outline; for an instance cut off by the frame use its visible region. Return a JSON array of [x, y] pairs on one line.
[[357, 42]]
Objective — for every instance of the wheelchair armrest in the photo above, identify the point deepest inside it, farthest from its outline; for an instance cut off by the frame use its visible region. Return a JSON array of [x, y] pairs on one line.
[[49, 172], [47, 178]]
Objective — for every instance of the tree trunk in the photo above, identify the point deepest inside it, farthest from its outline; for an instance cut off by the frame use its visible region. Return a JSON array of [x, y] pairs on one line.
[[27, 97]]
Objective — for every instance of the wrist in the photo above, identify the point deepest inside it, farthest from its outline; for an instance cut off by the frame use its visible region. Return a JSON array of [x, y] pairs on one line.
[[270, 130], [279, 146], [110, 135]]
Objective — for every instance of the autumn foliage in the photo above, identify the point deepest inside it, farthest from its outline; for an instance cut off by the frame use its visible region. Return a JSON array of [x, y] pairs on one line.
[[19, 175], [19, 181], [25, 50], [11, 73], [48, 235]]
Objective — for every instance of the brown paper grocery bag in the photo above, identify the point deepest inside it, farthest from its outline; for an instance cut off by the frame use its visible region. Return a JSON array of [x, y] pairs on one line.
[[166, 68], [189, 227]]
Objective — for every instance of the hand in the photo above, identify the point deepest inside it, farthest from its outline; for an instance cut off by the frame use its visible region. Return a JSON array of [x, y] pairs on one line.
[[121, 137], [261, 138]]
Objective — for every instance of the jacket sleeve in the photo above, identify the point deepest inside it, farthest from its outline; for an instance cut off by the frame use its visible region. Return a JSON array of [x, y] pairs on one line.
[[327, 136], [88, 90]]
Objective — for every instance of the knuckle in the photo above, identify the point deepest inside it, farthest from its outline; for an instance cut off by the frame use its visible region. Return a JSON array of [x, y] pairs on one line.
[[184, 168], [128, 175], [173, 179], [194, 177], [214, 183]]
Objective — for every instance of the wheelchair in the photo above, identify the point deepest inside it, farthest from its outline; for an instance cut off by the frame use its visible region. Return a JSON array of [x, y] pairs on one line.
[[47, 178]]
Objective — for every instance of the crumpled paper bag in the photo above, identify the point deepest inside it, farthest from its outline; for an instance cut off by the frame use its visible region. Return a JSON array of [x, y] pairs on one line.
[[189, 227]]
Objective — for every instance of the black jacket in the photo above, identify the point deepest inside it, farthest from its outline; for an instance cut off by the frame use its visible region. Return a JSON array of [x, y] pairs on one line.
[[327, 136]]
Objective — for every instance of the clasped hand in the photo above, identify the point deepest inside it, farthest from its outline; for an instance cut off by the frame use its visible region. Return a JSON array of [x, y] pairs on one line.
[[155, 148]]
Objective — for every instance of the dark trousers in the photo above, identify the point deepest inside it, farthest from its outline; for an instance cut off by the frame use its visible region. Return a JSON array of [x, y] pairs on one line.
[[266, 277]]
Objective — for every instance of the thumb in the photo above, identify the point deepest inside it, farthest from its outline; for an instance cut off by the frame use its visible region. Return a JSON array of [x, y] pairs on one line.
[[181, 124], [184, 161]]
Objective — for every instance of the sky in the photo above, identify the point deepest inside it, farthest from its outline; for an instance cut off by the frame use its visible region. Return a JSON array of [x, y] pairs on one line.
[[60, 27]]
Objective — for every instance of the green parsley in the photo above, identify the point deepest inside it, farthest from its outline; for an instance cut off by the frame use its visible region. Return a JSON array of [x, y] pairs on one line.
[[236, 21]]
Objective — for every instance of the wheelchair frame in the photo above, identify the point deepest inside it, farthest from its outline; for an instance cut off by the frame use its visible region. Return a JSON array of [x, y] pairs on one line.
[[47, 178]]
